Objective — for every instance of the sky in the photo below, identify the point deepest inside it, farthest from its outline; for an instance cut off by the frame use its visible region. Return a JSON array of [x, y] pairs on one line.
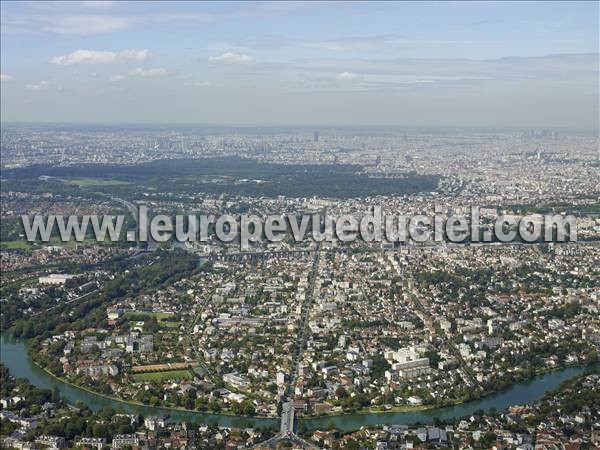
[[489, 64]]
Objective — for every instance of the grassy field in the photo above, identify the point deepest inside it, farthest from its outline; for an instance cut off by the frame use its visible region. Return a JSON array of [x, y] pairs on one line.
[[83, 182], [24, 245], [15, 245], [161, 318], [55, 241], [158, 315], [162, 376]]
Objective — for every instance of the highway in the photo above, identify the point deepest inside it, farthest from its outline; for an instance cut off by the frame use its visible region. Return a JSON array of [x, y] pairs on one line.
[[135, 213], [129, 205]]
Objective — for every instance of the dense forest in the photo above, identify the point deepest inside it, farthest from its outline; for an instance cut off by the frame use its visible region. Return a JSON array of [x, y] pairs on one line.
[[231, 175]]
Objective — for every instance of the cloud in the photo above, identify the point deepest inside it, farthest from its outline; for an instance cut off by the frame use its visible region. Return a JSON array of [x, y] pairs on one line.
[[200, 83], [187, 17], [87, 18], [354, 44], [141, 72], [231, 58], [5, 77], [38, 86], [266, 10], [99, 57], [457, 72], [84, 25], [345, 76], [91, 18], [97, 4]]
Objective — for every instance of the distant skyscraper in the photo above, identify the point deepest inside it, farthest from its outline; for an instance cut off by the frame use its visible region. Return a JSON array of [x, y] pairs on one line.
[[316, 136]]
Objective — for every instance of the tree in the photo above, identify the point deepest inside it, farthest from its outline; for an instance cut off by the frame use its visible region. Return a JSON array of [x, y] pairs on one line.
[[341, 392], [55, 394], [248, 409]]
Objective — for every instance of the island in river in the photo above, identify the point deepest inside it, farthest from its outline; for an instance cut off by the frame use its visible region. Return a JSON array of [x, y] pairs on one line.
[[15, 358]]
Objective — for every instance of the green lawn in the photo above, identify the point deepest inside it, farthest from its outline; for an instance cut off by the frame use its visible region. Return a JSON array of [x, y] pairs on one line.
[[15, 245], [159, 315], [82, 182], [183, 374], [54, 241], [208, 178]]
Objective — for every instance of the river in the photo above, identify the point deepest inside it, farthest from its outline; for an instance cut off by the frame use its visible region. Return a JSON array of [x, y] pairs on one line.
[[14, 356]]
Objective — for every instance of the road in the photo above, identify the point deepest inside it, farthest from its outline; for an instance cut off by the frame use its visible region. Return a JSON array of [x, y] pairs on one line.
[[287, 418], [193, 340], [426, 317], [65, 303], [306, 306], [453, 349], [287, 432]]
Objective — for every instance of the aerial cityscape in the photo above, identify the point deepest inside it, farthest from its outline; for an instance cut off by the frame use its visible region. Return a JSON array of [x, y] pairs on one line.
[[475, 327]]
